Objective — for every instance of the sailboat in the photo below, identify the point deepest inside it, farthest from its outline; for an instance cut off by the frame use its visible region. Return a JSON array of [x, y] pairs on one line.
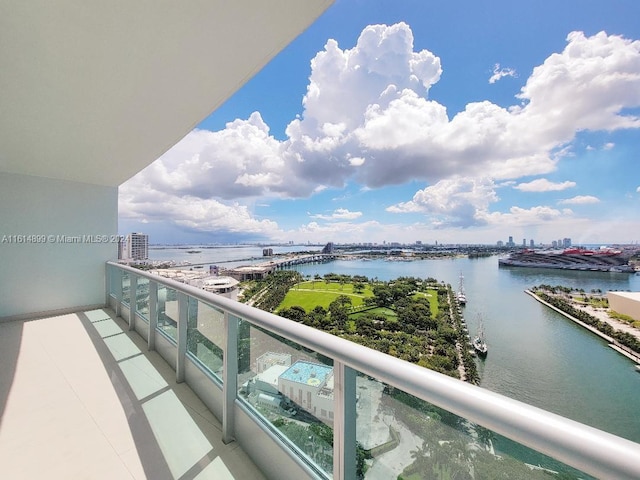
[[461, 297], [478, 342]]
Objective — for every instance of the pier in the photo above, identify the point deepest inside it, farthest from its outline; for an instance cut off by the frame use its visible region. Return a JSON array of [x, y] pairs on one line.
[[261, 270]]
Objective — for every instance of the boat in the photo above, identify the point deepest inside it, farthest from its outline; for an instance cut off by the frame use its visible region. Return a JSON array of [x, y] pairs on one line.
[[461, 297], [478, 342]]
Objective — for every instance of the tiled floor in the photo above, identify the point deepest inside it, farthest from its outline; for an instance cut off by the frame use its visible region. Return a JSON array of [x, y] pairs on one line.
[[80, 397]]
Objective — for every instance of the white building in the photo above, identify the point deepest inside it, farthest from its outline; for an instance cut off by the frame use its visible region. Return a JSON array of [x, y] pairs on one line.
[[220, 285], [138, 246], [307, 384], [310, 386], [627, 303]]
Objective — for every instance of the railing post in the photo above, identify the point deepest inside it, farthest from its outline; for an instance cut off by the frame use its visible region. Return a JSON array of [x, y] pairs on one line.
[[153, 314], [229, 377], [118, 277], [181, 351], [133, 300], [107, 285], [344, 422]]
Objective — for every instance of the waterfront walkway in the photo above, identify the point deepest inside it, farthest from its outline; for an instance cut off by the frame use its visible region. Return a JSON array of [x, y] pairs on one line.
[[602, 315]]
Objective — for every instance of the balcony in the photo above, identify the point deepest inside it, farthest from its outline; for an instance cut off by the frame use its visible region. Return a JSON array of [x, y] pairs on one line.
[[170, 381], [81, 397]]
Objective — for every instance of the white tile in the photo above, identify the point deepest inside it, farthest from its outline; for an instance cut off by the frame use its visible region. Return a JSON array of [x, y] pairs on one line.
[[121, 346], [180, 439], [142, 377], [97, 315], [107, 328], [216, 470]]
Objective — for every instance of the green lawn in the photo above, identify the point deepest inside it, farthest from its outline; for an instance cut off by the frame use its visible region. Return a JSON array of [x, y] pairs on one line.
[[310, 294], [386, 312], [432, 296]]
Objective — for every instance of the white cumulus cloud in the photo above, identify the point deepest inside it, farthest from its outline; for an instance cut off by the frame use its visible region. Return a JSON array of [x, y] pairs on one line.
[[338, 214], [580, 200], [462, 202], [544, 185], [499, 73], [367, 118]]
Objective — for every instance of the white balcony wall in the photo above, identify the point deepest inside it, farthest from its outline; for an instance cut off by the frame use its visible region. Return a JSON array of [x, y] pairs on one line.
[[45, 274]]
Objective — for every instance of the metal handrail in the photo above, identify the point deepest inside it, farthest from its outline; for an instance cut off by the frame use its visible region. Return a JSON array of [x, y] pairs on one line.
[[588, 449]]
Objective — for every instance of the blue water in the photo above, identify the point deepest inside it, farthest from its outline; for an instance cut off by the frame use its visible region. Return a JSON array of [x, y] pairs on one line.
[[535, 354], [226, 256]]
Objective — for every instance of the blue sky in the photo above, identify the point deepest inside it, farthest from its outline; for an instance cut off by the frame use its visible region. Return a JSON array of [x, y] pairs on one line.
[[397, 121]]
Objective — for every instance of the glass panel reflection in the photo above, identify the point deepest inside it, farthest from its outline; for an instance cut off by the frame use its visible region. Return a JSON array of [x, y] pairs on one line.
[[291, 388], [126, 283], [407, 438], [168, 311], [114, 277], [205, 336], [142, 298]]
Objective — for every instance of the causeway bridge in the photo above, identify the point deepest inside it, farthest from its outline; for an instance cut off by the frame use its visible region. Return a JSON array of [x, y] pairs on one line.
[[262, 269]]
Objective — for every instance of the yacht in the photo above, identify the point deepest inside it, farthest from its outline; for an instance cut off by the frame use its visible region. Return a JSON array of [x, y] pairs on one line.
[[478, 342], [461, 297]]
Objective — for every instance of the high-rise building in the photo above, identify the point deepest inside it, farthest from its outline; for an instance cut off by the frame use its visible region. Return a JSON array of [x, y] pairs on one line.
[[122, 248], [566, 242], [531, 243], [138, 246]]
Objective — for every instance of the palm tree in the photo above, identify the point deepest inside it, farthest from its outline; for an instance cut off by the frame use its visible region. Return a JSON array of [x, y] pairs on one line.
[[421, 458], [485, 435]]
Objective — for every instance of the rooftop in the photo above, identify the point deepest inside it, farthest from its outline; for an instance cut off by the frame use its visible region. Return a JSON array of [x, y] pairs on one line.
[[307, 373]]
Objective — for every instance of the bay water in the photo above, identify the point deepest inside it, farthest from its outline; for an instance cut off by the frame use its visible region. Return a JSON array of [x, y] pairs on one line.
[[535, 354]]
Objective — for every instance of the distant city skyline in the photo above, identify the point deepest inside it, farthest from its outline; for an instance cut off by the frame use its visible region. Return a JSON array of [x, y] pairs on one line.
[[401, 121]]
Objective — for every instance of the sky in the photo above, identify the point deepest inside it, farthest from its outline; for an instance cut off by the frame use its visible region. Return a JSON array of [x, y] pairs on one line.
[[414, 120]]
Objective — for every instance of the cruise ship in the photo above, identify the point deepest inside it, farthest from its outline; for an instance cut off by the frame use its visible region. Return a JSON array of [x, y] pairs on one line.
[[602, 260]]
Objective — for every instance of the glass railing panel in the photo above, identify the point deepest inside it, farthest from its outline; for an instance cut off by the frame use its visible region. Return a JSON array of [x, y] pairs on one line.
[[290, 388], [126, 288], [206, 336], [114, 278], [168, 311], [401, 436], [142, 297]]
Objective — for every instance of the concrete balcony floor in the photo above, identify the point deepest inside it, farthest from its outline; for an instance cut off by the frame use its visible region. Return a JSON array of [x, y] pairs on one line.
[[81, 397]]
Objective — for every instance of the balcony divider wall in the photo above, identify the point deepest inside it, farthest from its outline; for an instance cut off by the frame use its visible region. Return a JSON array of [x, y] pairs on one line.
[[210, 340]]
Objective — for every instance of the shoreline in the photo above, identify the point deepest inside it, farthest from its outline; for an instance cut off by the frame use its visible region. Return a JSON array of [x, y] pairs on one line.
[[611, 341]]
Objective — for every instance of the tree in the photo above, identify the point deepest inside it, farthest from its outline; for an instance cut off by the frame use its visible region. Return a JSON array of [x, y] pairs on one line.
[[338, 311], [383, 295], [295, 313]]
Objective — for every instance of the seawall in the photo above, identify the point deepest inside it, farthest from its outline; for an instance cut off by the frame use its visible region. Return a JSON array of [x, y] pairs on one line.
[[612, 342]]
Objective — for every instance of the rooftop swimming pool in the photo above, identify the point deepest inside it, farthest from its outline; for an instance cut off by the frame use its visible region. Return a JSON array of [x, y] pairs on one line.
[[307, 373]]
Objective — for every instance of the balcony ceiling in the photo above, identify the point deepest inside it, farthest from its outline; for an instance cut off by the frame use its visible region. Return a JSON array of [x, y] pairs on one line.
[[95, 91]]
